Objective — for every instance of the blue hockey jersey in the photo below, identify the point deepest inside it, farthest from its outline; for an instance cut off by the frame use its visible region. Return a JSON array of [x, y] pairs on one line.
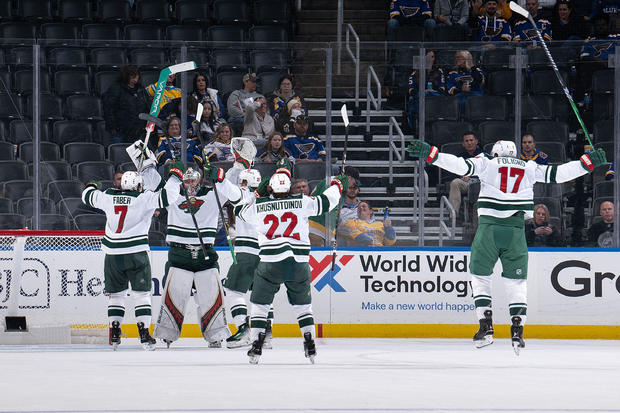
[[524, 30], [493, 29], [304, 147], [410, 9]]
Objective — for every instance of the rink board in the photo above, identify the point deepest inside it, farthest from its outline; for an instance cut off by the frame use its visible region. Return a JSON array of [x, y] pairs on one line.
[[376, 292]]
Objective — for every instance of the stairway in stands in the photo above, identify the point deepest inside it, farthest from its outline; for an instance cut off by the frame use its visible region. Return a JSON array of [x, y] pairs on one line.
[[317, 23]]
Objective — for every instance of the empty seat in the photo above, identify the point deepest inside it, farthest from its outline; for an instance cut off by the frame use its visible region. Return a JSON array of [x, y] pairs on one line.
[[148, 32], [57, 190], [184, 33], [554, 205], [9, 106], [548, 131], [502, 83], [77, 152], [494, 130], [89, 222], [67, 58], [21, 131], [25, 206], [608, 147], [454, 148], [39, 10], [153, 11], [108, 58], [268, 37], [556, 151], [269, 81], [6, 10], [99, 170], [268, 60], [50, 107], [542, 189], [149, 77], [446, 131], [6, 206], [604, 130], [105, 79], [71, 207], [603, 81], [18, 188], [114, 11], [101, 34], [603, 189], [452, 33], [12, 221], [54, 171], [23, 81], [148, 58], [222, 60], [7, 152], [126, 166], [117, 153], [309, 170], [231, 11], [603, 107], [17, 30], [72, 131], [59, 31], [49, 151], [225, 34], [442, 108], [53, 222], [545, 82], [69, 82], [497, 59], [480, 108], [22, 57], [228, 81], [272, 12], [5, 79], [536, 108], [410, 33], [192, 12], [84, 107], [12, 170], [198, 55], [74, 10]]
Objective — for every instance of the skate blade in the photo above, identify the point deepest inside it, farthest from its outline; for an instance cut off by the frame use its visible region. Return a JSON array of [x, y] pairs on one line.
[[267, 345], [487, 341], [238, 344], [517, 346], [215, 344], [115, 346], [311, 358], [148, 346], [254, 359]]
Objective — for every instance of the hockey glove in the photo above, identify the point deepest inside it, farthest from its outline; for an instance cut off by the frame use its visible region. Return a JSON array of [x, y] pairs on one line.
[[94, 183], [177, 169], [419, 149], [261, 190], [593, 159], [342, 181], [215, 173]]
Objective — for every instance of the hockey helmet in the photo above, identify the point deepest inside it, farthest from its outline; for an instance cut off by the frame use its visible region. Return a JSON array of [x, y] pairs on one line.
[[131, 181], [191, 181], [280, 183], [504, 148], [251, 176]]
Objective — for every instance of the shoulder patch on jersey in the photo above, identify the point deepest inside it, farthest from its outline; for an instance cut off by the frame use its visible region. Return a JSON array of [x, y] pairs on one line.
[[542, 155]]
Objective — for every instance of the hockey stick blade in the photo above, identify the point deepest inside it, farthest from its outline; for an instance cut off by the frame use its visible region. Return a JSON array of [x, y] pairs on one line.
[[182, 67], [518, 9], [153, 119], [199, 112], [345, 115]]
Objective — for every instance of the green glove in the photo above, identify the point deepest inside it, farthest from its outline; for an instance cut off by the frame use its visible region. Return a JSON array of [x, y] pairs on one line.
[[284, 163], [593, 159], [342, 181], [215, 173], [94, 183], [177, 169], [419, 149], [261, 190]]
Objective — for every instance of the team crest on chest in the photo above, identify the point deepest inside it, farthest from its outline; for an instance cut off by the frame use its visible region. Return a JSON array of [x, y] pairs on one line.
[[409, 11], [195, 203]]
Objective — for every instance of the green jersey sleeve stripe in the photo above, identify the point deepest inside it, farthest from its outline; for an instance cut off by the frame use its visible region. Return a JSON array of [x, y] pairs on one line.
[[554, 172], [470, 167], [163, 198], [323, 204]]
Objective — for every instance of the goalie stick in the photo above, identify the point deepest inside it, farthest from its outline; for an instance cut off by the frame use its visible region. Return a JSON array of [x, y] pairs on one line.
[[520, 10], [345, 119]]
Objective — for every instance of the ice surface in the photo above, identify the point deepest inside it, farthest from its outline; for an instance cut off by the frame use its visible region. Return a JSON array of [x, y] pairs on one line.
[[350, 375]]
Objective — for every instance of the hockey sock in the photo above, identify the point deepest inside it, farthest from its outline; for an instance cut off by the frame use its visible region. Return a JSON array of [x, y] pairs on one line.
[[516, 290], [481, 285], [116, 306], [238, 307], [258, 319], [142, 307], [305, 318], [270, 315]]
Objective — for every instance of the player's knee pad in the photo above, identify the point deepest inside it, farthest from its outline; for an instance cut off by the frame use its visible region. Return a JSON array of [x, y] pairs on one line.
[[238, 306], [210, 300], [116, 305], [172, 310], [516, 290], [258, 318], [481, 288], [305, 319]]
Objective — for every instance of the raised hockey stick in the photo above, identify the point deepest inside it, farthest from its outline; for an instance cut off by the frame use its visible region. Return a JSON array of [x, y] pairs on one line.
[[345, 119], [159, 93], [520, 10]]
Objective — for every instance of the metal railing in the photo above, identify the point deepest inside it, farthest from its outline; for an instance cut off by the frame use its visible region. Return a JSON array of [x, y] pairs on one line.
[[370, 97], [444, 203], [400, 153], [356, 60]]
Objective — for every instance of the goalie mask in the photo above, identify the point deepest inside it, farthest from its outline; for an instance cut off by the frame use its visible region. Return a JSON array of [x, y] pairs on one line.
[[504, 148], [191, 181], [131, 181], [251, 177], [280, 183]]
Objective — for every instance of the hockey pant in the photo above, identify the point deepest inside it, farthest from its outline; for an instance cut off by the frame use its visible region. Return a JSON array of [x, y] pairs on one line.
[[516, 291], [208, 297]]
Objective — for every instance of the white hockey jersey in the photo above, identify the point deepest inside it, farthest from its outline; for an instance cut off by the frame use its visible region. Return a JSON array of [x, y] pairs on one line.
[[282, 224], [246, 235], [128, 215], [507, 184]]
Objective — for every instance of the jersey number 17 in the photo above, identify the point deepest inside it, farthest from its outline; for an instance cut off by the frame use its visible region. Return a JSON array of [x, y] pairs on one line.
[[505, 172]]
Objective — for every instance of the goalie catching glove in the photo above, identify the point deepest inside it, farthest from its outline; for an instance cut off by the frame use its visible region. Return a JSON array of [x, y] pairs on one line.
[[593, 159], [342, 181], [177, 169], [215, 173], [94, 183], [419, 149], [138, 151]]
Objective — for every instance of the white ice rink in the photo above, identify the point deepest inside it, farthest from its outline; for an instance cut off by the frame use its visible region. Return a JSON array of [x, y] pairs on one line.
[[350, 375]]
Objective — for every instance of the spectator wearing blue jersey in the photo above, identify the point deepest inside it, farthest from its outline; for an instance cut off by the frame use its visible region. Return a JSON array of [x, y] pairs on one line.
[[523, 29], [164, 152], [416, 12], [302, 145], [491, 27], [465, 79], [435, 85], [529, 151], [611, 173], [595, 53], [606, 7]]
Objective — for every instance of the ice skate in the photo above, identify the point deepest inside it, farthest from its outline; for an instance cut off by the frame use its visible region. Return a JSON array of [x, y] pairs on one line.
[[484, 336], [148, 342], [241, 338], [167, 342], [257, 349], [215, 344], [309, 347], [115, 335], [268, 336], [516, 332]]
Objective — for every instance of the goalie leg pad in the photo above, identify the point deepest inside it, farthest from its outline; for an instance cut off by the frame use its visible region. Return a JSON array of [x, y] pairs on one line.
[[116, 306], [238, 306], [481, 286], [305, 319], [516, 290], [176, 294], [210, 300], [258, 319], [142, 304]]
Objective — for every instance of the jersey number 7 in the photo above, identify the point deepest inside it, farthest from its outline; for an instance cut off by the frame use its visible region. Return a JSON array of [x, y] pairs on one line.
[[288, 232], [504, 172], [120, 209]]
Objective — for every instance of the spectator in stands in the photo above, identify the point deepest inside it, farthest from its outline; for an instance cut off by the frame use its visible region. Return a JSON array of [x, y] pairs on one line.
[[478, 8], [204, 93], [544, 7], [611, 173], [288, 114], [567, 25], [171, 92], [350, 201], [236, 101], [283, 95], [173, 130], [300, 186], [219, 148], [460, 184], [258, 123], [529, 151], [209, 122], [406, 12], [600, 233], [491, 26], [366, 231], [174, 109], [523, 29], [465, 79], [539, 232], [116, 181], [122, 103], [595, 52], [452, 13], [435, 85], [609, 8], [274, 150], [303, 146]]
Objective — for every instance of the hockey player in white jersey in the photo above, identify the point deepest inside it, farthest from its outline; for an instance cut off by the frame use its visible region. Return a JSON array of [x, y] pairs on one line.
[[505, 200], [128, 218], [282, 224]]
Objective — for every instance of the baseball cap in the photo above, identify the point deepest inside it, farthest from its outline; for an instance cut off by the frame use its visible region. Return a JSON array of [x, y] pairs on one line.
[[249, 76], [301, 118]]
